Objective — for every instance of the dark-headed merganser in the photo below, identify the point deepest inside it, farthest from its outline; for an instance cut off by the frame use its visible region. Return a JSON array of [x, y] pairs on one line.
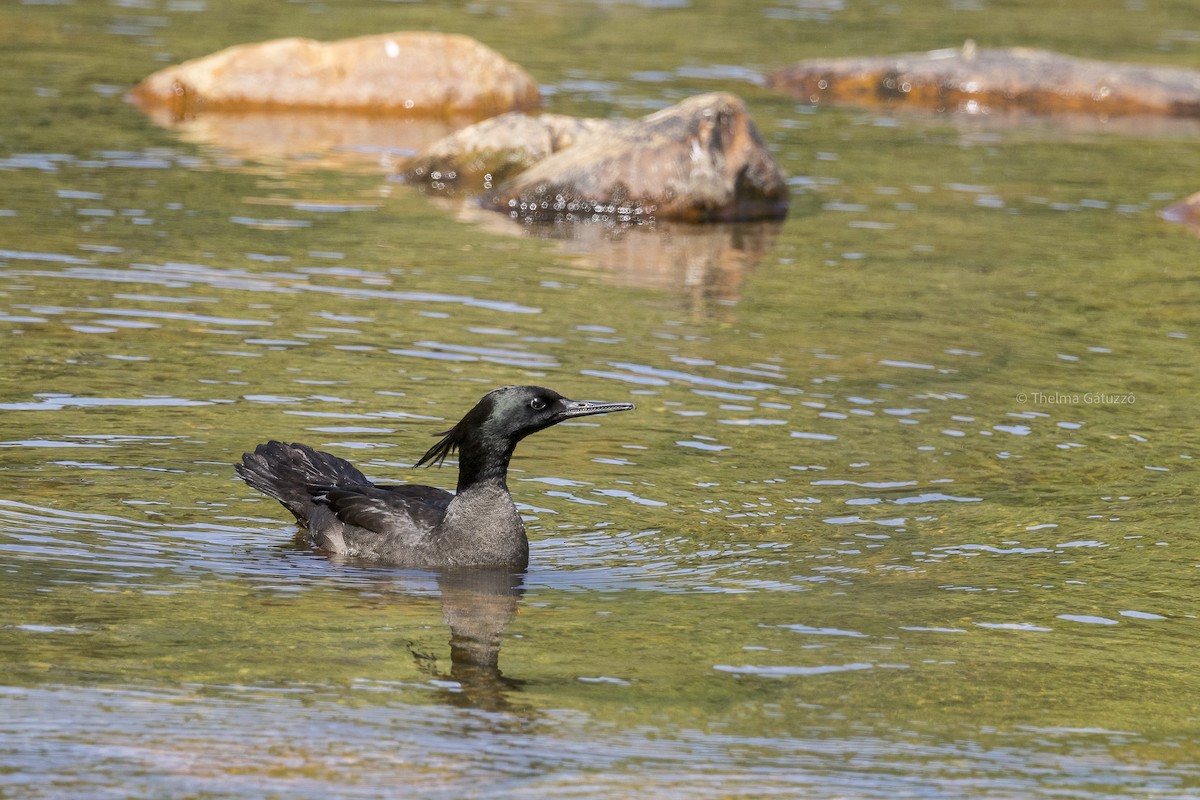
[[421, 526]]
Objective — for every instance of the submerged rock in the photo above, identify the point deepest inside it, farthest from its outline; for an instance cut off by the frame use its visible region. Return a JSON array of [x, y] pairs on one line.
[[701, 160], [406, 73], [488, 152], [972, 79]]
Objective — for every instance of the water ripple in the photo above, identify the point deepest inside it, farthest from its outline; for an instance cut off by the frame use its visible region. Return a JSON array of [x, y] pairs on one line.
[[129, 312], [55, 402], [690, 378], [455, 352], [23, 255], [790, 671], [505, 306]]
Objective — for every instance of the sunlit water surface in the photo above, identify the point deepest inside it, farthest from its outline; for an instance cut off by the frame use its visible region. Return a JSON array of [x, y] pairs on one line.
[[907, 508]]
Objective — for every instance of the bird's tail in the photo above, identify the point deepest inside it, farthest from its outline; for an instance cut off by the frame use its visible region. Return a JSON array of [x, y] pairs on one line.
[[285, 471]]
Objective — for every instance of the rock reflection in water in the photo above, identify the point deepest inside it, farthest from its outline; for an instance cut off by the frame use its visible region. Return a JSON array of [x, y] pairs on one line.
[[316, 139], [704, 263], [1017, 125]]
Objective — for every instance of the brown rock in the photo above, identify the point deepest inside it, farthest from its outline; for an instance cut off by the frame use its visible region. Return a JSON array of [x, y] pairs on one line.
[[488, 152], [971, 79], [397, 73], [701, 160]]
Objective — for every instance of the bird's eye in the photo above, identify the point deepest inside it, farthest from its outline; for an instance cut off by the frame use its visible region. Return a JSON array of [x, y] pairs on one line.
[[537, 404]]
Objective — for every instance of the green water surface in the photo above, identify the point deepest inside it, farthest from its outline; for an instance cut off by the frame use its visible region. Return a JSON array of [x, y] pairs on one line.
[[907, 508]]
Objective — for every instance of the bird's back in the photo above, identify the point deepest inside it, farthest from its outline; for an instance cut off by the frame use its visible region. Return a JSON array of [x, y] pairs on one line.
[[342, 510]]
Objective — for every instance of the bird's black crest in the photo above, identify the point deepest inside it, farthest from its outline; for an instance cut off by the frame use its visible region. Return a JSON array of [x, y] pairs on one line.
[[453, 438], [437, 454]]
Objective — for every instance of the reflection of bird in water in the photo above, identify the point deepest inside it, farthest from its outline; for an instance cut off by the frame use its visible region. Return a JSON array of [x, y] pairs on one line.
[[421, 526], [477, 604]]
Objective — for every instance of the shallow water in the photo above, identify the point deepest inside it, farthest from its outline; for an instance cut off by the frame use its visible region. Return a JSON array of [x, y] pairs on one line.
[[906, 509]]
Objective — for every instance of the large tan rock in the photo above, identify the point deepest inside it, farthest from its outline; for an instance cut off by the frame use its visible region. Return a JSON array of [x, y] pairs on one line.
[[974, 79], [701, 160], [408, 73]]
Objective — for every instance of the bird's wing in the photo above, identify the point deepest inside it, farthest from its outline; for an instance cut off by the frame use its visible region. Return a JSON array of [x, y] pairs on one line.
[[284, 471], [387, 510]]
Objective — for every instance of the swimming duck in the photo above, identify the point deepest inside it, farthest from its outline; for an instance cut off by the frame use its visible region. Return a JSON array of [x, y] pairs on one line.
[[421, 526]]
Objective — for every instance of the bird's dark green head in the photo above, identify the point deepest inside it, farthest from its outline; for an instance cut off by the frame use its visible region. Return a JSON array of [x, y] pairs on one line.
[[507, 415]]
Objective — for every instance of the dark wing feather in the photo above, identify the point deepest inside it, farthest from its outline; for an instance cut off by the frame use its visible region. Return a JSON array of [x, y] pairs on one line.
[[385, 510], [429, 495], [285, 471]]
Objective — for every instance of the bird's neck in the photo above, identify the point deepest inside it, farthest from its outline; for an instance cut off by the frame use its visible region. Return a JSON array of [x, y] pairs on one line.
[[484, 462]]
